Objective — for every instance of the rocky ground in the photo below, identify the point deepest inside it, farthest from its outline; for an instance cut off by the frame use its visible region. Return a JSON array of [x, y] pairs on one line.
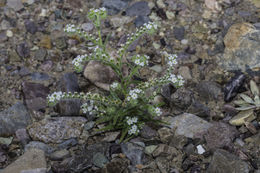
[[217, 42]]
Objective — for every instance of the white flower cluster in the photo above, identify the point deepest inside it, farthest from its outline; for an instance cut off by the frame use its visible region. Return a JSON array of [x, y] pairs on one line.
[[176, 79], [133, 130], [141, 60], [70, 28], [133, 94], [158, 111], [55, 97], [89, 107], [172, 60], [77, 62], [103, 9], [150, 25], [132, 122], [114, 85]]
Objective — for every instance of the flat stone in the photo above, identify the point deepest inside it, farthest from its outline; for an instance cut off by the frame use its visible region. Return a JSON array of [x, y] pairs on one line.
[[147, 132], [114, 6], [57, 129], [100, 160], [23, 50], [40, 54], [37, 76], [60, 155], [45, 42], [22, 136], [38, 170], [179, 33], [31, 159], [222, 162], [220, 135], [15, 4], [40, 146], [69, 83], [140, 8], [133, 152], [150, 149], [69, 107], [209, 90], [188, 125], [111, 136], [242, 43], [13, 118]]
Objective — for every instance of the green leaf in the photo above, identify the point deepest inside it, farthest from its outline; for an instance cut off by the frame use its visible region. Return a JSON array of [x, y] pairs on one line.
[[247, 98], [257, 100], [254, 88], [106, 128], [123, 134], [239, 102], [244, 108]]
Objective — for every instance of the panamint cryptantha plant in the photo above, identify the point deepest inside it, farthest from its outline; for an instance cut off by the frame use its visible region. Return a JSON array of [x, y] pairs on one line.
[[127, 106]]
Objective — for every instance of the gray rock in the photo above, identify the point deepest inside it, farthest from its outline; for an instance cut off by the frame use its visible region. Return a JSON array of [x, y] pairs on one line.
[[133, 152], [188, 125], [68, 143], [37, 76], [38, 170], [220, 135], [114, 6], [40, 54], [69, 83], [15, 4], [60, 155], [141, 20], [3, 37], [167, 91], [147, 132], [57, 129], [140, 8], [23, 50], [41, 146], [165, 134], [69, 107], [179, 32], [209, 90], [35, 95], [89, 125], [22, 136], [99, 160], [165, 150], [13, 118], [30, 26], [85, 159], [199, 109], [116, 165], [242, 43], [31, 159], [178, 141], [24, 71], [182, 98], [222, 162], [61, 43]]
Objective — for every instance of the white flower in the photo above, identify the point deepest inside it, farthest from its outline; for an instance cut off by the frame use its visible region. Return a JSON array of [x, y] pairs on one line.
[[89, 107], [133, 130], [158, 111], [172, 78], [115, 85], [133, 94], [172, 60], [131, 121], [56, 96]]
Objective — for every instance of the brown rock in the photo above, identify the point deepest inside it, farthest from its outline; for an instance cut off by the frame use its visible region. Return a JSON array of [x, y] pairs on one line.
[[235, 33], [45, 42], [99, 74]]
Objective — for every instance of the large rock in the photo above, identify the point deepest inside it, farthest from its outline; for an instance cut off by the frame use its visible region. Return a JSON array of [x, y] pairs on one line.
[[99, 74], [15, 4], [223, 162], [188, 125], [14, 118], [57, 129], [220, 135], [242, 44], [140, 8], [31, 159]]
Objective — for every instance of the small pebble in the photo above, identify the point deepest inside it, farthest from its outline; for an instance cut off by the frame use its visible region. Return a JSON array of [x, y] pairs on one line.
[[200, 149], [184, 41], [9, 33]]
